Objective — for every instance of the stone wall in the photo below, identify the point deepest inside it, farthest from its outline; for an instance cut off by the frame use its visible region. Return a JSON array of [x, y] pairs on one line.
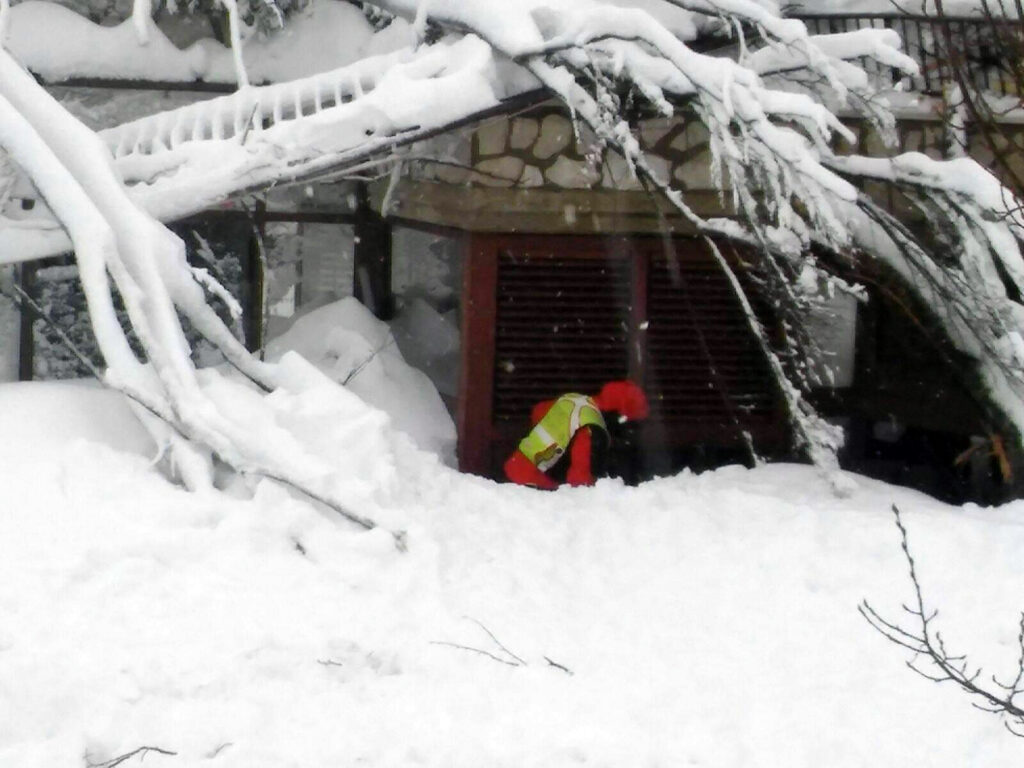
[[536, 172], [542, 149]]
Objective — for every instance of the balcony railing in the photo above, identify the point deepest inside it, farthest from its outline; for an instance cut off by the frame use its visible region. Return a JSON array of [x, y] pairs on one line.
[[985, 53]]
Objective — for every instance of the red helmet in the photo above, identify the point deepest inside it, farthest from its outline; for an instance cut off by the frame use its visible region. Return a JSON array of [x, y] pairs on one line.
[[625, 398]]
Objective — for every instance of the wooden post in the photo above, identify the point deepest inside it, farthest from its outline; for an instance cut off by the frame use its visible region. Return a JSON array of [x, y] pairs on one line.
[[371, 272], [476, 378], [26, 341], [255, 316]]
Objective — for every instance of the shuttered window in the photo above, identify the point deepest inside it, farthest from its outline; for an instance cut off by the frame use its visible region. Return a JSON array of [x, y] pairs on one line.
[[562, 326], [705, 375]]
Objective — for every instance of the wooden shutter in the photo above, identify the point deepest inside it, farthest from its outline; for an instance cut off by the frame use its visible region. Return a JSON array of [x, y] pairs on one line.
[[562, 326], [705, 374]]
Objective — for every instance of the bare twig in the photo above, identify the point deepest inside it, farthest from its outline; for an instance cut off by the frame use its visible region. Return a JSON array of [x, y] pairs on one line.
[[367, 360], [941, 666], [497, 642], [22, 300], [248, 123], [482, 652], [141, 752], [220, 748], [512, 659], [556, 665]]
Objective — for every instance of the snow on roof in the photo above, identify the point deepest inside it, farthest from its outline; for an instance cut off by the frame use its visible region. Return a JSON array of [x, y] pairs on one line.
[[58, 44]]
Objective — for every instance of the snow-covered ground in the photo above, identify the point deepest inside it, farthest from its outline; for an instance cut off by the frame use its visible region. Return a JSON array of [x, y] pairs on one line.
[[703, 620]]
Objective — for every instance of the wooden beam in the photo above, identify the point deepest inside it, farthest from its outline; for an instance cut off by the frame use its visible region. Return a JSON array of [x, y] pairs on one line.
[[26, 339], [476, 376]]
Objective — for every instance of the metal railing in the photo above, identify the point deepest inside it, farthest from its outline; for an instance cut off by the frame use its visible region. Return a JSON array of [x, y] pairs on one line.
[[987, 52]]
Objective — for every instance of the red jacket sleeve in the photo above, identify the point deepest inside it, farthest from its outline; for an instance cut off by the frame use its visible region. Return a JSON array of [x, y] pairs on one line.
[[540, 411]]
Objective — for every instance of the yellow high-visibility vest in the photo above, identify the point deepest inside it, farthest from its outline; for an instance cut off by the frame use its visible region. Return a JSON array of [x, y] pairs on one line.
[[550, 438]]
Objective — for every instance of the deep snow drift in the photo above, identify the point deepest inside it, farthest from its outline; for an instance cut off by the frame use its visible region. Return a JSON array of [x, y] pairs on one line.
[[705, 620], [352, 347]]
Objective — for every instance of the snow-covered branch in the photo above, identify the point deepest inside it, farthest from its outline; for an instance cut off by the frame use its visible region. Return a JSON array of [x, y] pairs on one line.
[[112, 235], [771, 153]]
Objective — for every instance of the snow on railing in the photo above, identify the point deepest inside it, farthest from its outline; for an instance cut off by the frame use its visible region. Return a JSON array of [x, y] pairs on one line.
[[251, 109], [987, 50], [188, 159], [979, 46]]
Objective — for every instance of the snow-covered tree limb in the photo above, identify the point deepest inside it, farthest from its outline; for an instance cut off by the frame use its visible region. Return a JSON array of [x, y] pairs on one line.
[[73, 172], [964, 266]]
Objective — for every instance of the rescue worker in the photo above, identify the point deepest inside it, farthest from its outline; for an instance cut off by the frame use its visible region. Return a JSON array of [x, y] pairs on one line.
[[573, 424]]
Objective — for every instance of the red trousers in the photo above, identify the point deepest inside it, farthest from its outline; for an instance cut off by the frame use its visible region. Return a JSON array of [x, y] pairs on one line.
[[521, 470]]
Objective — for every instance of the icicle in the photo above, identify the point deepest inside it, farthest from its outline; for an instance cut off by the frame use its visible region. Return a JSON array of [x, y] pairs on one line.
[[198, 127], [216, 125], [177, 131], [277, 107]]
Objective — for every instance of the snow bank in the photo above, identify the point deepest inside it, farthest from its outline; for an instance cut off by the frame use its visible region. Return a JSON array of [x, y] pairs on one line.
[[703, 620], [352, 347], [41, 419]]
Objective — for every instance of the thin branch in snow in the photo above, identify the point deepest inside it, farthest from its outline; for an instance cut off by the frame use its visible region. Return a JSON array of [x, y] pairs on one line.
[[218, 749], [361, 366], [497, 642], [366, 523], [925, 641], [512, 659], [556, 665], [482, 652], [141, 752]]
